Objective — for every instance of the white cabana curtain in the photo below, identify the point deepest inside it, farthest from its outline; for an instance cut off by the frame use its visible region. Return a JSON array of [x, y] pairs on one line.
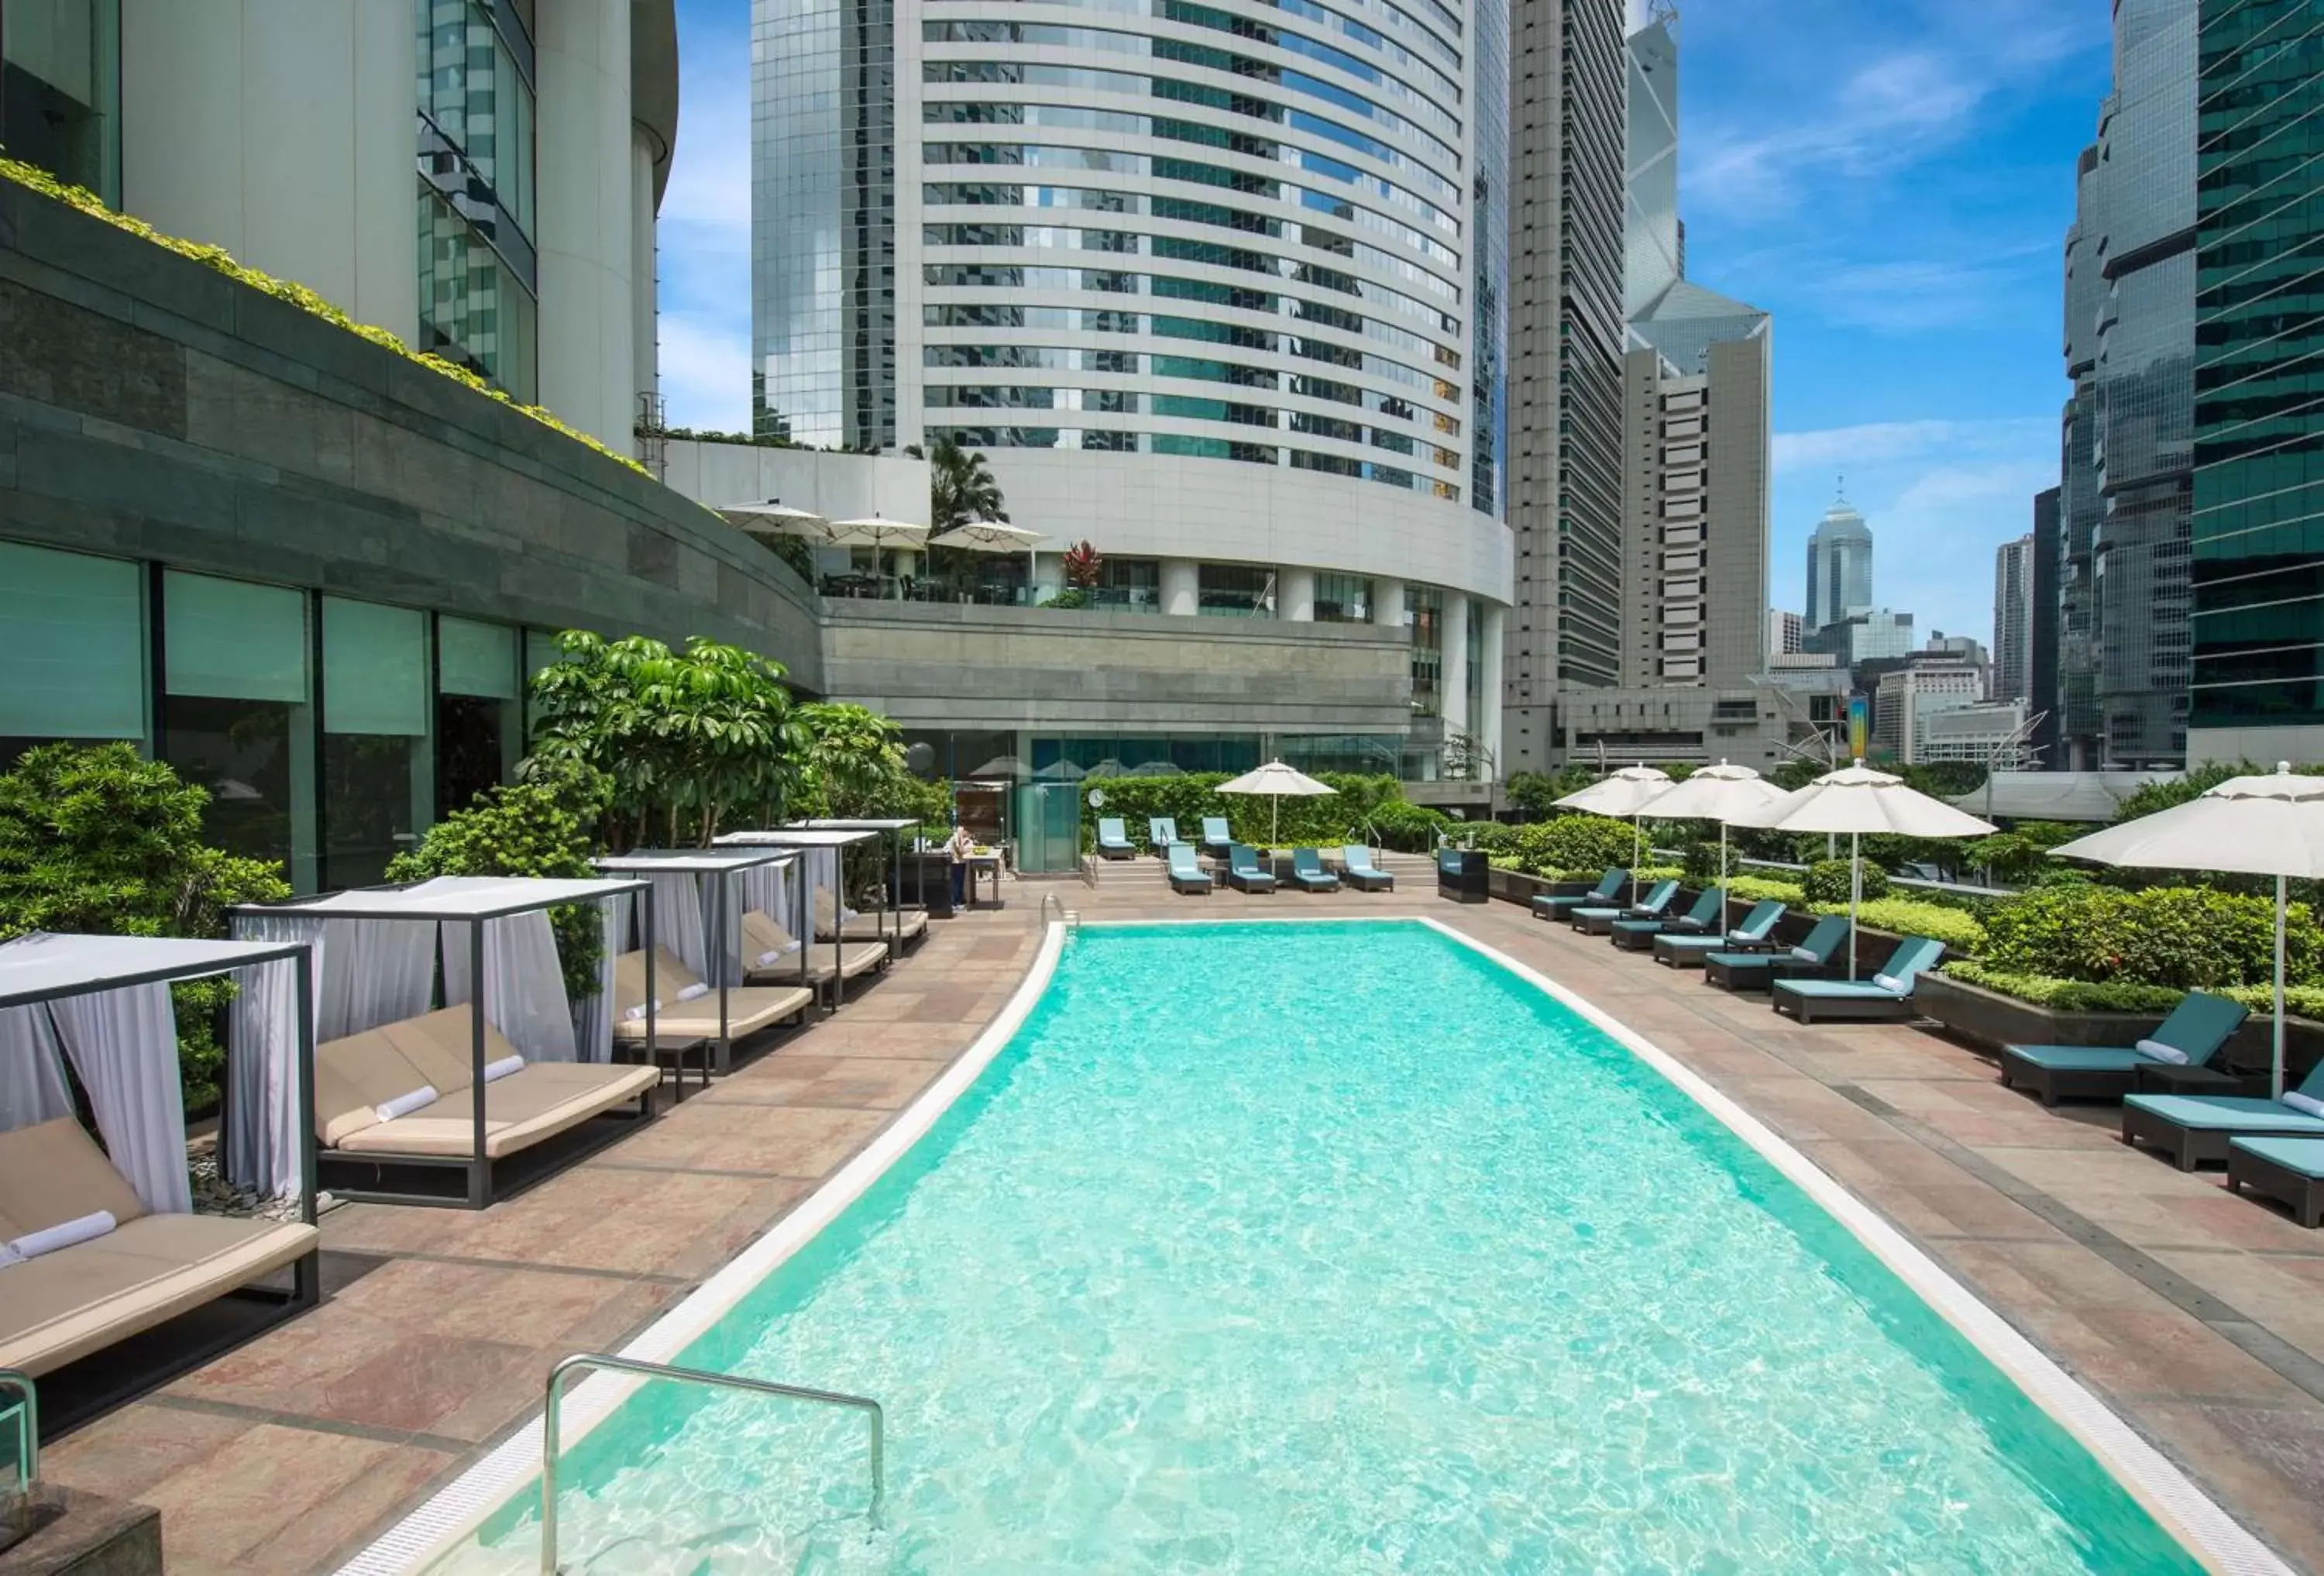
[[678, 920], [524, 986], [370, 971], [823, 870], [123, 1043], [592, 1017], [258, 1132], [32, 1086]]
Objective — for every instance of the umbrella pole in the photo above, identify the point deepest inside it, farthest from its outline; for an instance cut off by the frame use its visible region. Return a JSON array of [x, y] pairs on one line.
[[1637, 837], [1855, 896], [2276, 1084], [1722, 856]]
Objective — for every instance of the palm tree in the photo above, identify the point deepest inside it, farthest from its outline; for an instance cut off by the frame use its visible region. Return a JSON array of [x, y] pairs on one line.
[[961, 488]]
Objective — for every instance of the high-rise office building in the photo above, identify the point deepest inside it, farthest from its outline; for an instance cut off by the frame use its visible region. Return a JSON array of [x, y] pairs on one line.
[[2129, 428], [1218, 290], [1785, 633], [1839, 566], [2012, 620], [2259, 337], [1652, 260], [2041, 669], [1566, 67]]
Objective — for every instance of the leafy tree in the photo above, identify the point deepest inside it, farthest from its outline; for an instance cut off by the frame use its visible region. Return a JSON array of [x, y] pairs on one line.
[[685, 737], [961, 488], [101, 841], [1533, 794], [540, 826], [852, 761]]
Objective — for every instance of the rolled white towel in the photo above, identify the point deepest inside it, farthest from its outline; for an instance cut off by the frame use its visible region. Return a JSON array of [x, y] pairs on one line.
[[768, 960], [635, 1013], [1891, 982], [2308, 1103], [1805, 954], [496, 1071], [2163, 1053], [8, 1255], [405, 1104], [63, 1234], [696, 990]]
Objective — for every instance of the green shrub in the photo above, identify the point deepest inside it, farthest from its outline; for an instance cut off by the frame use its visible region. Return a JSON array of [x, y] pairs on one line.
[[538, 828], [1828, 882], [1410, 827], [1702, 861], [1575, 842], [1763, 888], [101, 841], [2180, 936], [1960, 932]]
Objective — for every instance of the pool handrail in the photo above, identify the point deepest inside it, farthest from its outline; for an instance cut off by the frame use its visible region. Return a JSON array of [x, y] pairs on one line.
[[688, 1376], [28, 1434]]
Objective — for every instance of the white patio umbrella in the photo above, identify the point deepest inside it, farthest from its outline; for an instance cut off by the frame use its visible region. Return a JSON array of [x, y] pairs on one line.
[[877, 531], [774, 517], [995, 536], [1625, 793], [2271, 825], [1717, 793], [1275, 780], [1856, 799]]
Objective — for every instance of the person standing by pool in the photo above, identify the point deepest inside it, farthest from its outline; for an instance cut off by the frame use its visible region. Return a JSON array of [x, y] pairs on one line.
[[959, 847]]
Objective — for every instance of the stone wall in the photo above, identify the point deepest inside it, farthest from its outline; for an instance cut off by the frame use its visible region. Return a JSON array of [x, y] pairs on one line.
[[152, 407]]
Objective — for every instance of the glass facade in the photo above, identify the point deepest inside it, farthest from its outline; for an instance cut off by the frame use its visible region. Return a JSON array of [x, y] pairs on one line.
[[823, 234], [1839, 567], [1235, 591], [61, 89], [478, 272], [1343, 599], [328, 733], [2258, 504], [1424, 610], [2128, 485], [1138, 168]]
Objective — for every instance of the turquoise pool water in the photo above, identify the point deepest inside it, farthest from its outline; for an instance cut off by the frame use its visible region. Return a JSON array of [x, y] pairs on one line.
[[1336, 1247]]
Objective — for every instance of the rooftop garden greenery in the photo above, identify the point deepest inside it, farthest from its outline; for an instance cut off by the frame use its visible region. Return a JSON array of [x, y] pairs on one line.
[[33, 178]]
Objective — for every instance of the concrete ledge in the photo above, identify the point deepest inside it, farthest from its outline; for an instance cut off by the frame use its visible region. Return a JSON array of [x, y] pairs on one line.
[[73, 1533]]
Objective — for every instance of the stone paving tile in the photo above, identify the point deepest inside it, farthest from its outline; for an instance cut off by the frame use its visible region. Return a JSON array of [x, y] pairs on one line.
[[288, 1454]]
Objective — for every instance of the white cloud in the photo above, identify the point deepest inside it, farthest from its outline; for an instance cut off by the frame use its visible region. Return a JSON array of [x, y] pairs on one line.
[[703, 235], [1882, 443]]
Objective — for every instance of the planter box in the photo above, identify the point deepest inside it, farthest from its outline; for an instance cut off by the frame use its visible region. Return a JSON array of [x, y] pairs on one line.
[[1987, 1019], [1517, 887], [1462, 875]]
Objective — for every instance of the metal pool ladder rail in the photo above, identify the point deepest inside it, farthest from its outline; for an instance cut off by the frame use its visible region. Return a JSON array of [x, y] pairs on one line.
[[1069, 917], [28, 1439], [684, 1376]]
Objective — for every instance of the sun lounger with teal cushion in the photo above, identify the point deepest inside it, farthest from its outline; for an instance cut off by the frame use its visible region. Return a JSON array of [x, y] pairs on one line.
[[2290, 1170], [1758, 970], [1637, 935], [1687, 952], [1308, 874], [1112, 840], [1186, 872], [1888, 994], [1161, 832], [1599, 920], [2189, 1038], [1244, 872], [1216, 838], [2194, 1128], [1608, 888], [1357, 869]]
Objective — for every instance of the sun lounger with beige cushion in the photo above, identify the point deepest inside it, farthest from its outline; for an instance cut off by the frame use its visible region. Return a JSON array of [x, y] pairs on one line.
[[147, 1269], [356, 1076], [913, 922], [762, 936], [749, 1008]]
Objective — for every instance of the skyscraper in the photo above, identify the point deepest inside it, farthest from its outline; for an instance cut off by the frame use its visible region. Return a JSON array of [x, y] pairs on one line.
[[2128, 430], [2259, 445], [1839, 566], [1217, 288], [1565, 357], [2042, 696], [2012, 620]]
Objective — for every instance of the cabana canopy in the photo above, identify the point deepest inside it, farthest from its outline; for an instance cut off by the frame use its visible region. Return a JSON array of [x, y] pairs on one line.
[[42, 966], [453, 897]]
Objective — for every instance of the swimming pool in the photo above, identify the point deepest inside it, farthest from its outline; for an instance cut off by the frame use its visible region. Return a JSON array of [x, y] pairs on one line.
[[1339, 1247]]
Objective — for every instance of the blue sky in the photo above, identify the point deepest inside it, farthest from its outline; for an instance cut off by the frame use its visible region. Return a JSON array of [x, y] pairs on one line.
[[1892, 178]]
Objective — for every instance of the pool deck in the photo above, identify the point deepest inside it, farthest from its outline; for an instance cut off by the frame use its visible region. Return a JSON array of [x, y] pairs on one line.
[[2198, 1316]]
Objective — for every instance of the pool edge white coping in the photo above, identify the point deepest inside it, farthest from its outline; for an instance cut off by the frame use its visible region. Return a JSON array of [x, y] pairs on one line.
[[433, 1531], [2217, 1539], [2223, 1544]]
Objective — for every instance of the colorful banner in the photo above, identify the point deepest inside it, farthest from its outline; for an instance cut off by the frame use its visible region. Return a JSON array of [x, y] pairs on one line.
[[1859, 725]]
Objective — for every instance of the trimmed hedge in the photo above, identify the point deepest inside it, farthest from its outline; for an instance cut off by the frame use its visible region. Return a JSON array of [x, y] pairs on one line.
[[2182, 937], [2124, 995], [1959, 930], [1828, 880]]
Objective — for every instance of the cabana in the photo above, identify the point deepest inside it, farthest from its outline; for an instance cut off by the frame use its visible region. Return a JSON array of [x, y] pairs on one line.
[[99, 1246], [821, 852], [911, 924], [699, 898], [501, 1082]]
